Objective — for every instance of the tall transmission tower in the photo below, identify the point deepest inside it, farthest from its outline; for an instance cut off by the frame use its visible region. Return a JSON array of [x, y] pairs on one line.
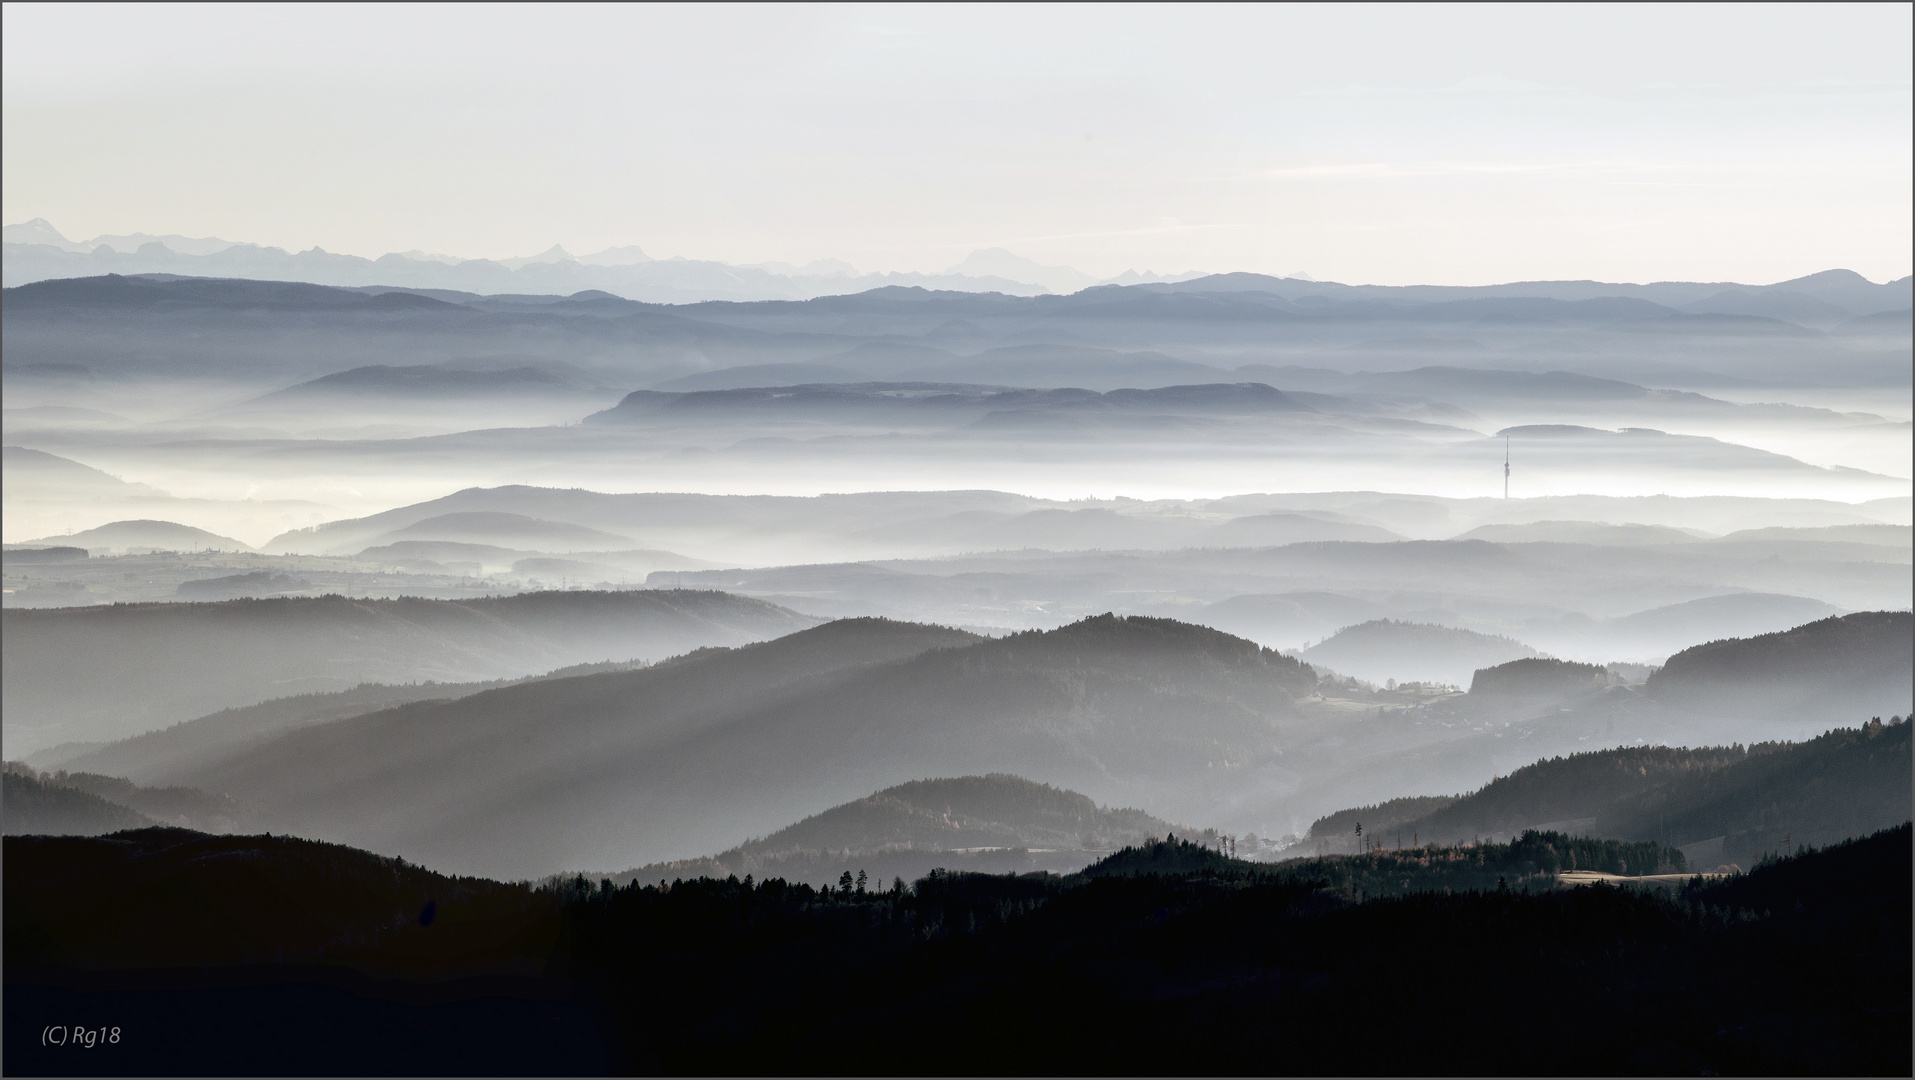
[[1505, 464]]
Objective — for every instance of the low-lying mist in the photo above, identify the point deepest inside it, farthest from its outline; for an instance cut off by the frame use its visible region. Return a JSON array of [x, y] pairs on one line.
[[519, 584]]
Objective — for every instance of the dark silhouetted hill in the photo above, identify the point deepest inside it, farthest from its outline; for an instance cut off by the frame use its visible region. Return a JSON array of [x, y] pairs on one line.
[[1173, 960], [165, 898], [1169, 856]]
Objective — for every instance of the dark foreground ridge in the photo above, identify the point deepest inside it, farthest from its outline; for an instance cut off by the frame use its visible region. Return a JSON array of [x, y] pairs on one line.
[[162, 951]]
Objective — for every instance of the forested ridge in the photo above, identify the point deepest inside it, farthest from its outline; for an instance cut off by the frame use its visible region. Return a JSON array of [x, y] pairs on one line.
[[33, 805], [1756, 798], [1566, 789], [1167, 957], [1830, 649], [189, 742], [111, 671], [1779, 795], [1860, 660], [993, 823]]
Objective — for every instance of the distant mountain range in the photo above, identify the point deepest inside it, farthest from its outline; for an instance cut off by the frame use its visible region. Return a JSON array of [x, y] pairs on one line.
[[36, 251], [1473, 347]]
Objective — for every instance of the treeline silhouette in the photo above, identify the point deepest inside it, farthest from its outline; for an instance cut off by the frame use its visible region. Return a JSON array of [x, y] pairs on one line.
[[1531, 860], [35, 806], [1238, 969], [160, 898], [1378, 819], [36, 803], [1167, 957]]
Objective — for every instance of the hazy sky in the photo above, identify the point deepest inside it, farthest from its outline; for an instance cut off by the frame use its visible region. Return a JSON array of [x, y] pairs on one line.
[[1364, 143]]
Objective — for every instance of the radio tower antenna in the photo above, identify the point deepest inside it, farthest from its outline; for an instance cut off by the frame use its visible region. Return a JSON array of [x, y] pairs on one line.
[[1505, 465]]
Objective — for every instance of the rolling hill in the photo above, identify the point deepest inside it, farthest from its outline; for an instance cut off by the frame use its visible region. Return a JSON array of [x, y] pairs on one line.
[[1720, 804], [121, 536], [89, 804], [1859, 662], [1287, 620], [1778, 798], [97, 673], [36, 474], [36, 807], [154, 755], [1538, 678], [1563, 793], [637, 767], [1578, 532], [413, 384], [1412, 652], [978, 824], [504, 531], [1673, 627]]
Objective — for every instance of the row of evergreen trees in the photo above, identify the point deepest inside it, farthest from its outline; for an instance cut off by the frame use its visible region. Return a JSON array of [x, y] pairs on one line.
[[1178, 960], [1167, 957]]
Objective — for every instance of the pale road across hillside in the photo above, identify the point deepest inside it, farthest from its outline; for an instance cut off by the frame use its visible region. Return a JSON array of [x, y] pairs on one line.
[[1671, 881]]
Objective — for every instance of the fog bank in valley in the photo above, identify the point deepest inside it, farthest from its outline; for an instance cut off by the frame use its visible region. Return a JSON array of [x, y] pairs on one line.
[[1236, 550]]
